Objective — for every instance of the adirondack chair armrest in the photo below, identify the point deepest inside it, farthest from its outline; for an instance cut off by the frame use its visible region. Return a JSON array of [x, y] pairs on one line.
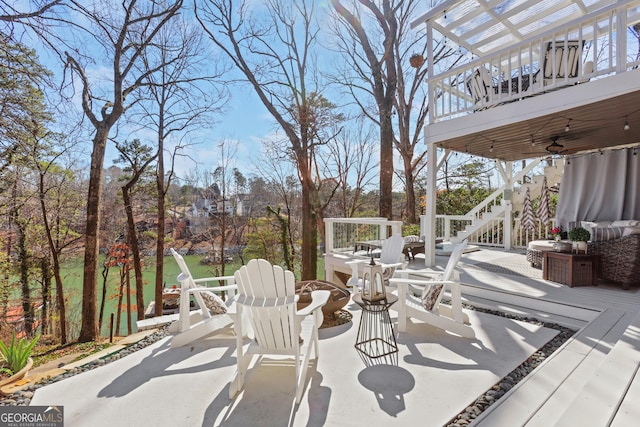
[[427, 274], [318, 300], [419, 282], [214, 279], [357, 261], [225, 288], [392, 265]]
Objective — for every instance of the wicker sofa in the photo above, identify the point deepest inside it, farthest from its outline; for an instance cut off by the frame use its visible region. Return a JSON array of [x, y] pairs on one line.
[[618, 245], [619, 259]]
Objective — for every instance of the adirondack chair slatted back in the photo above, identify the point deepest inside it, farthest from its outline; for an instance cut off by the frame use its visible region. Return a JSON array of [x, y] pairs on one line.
[[273, 320], [392, 249], [186, 282], [456, 253], [565, 59]]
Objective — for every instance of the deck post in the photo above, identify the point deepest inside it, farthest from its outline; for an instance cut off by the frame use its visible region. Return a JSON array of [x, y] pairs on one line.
[[430, 208], [508, 208]]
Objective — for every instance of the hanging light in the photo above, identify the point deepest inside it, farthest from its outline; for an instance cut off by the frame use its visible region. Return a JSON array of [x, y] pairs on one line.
[[491, 148], [626, 124], [567, 128]]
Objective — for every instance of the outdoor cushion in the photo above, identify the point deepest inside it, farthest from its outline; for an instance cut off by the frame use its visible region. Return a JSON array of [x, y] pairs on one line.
[[600, 234], [430, 296], [541, 245], [213, 302], [628, 231], [411, 239], [625, 223]]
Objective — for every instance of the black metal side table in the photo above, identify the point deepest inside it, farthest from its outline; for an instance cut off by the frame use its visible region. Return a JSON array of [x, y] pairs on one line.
[[375, 332]]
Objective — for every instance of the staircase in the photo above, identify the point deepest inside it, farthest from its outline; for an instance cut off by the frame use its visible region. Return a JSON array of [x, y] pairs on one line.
[[485, 221]]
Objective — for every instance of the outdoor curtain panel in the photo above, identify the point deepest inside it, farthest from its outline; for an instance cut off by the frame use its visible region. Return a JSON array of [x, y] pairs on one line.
[[600, 187]]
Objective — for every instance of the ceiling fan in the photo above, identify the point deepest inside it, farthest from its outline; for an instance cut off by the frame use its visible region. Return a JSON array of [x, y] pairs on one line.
[[554, 147]]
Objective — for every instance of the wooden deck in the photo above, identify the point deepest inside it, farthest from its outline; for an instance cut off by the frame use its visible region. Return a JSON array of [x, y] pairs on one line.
[[592, 380]]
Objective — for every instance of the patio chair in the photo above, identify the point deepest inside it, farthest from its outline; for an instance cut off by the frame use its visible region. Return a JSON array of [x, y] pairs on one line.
[[266, 303], [422, 299], [562, 61], [391, 257], [211, 314], [479, 84]]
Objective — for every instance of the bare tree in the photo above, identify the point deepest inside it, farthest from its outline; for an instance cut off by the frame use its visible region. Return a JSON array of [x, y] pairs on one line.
[[137, 158], [123, 33], [184, 96], [351, 158], [275, 57], [373, 62]]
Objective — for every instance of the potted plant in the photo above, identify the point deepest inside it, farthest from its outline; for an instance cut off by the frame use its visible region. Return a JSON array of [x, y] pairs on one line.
[[580, 236], [15, 359]]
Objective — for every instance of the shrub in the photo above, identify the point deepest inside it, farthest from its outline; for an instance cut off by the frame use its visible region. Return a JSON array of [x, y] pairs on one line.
[[15, 355], [579, 234]]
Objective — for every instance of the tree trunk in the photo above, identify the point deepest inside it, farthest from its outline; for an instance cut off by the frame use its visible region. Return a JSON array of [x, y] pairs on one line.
[[23, 260], [123, 269], [128, 282], [89, 329], [134, 246], [56, 264], [46, 295], [411, 193], [386, 164], [105, 275], [160, 236]]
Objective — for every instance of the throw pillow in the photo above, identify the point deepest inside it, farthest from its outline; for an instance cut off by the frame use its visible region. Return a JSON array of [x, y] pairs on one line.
[[213, 302], [411, 239], [430, 296], [588, 225], [600, 234]]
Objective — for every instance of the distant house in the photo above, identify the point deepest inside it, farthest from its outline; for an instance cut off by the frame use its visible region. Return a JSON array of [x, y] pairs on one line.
[[201, 208], [15, 319]]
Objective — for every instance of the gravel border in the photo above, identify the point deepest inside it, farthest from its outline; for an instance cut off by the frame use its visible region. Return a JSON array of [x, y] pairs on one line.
[[499, 389]]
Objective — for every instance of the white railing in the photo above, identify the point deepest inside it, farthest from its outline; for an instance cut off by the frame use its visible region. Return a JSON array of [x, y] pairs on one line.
[[341, 237], [492, 232], [516, 71], [341, 234]]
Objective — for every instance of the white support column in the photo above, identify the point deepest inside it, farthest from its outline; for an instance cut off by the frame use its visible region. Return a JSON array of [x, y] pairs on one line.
[[508, 206], [430, 208], [621, 40]]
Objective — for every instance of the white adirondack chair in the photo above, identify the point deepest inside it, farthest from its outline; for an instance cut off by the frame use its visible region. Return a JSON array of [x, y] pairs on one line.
[[195, 324], [267, 301], [412, 304], [391, 257]]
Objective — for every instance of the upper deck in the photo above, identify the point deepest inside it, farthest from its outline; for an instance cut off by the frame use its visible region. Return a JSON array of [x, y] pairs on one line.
[[530, 71]]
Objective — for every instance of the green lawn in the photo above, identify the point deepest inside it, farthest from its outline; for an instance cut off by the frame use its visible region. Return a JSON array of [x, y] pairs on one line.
[[73, 273]]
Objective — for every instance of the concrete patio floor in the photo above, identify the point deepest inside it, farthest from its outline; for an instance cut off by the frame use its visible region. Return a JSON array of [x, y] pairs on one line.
[[432, 378]]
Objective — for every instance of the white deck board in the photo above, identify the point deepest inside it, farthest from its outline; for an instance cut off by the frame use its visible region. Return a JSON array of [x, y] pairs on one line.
[[598, 401], [524, 400]]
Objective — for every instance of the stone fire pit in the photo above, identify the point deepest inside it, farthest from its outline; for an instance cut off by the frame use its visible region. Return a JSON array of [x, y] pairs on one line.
[[339, 297]]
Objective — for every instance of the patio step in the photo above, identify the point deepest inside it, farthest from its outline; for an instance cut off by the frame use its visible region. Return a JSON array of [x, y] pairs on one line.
[[543, 309], [597, 403], [567, 370]]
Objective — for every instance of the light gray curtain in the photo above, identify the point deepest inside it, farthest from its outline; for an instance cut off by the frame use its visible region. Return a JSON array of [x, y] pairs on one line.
[[600, 187]]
